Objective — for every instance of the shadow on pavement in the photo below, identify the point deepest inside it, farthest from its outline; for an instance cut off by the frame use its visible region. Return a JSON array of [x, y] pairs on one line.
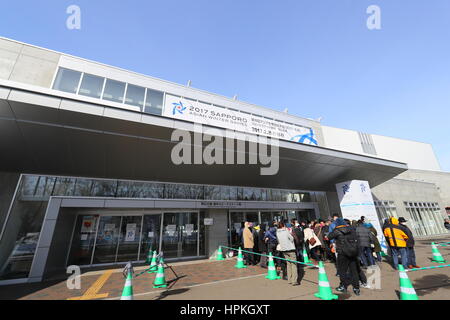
[[431, 283], [172, 282], [18, 291], [170, 293]]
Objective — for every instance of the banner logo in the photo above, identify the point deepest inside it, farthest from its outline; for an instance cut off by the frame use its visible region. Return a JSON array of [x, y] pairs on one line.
[[306, 138], [178, 108]]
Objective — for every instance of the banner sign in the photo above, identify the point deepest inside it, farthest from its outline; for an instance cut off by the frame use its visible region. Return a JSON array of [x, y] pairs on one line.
[[356, 200], [131, 232], [198, 112]]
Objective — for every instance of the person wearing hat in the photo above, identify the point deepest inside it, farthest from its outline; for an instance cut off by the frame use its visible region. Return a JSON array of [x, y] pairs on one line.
[[348, 250], [396, 238], [409, 243]]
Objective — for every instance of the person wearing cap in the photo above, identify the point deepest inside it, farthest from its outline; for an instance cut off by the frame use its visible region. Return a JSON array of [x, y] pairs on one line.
[[396, 238], [347, 262], [410, 243]]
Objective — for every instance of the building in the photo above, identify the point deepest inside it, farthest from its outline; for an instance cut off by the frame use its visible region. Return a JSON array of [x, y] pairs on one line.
[[86, 176]]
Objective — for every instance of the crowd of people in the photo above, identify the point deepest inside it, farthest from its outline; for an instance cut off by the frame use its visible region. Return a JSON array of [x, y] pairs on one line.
[[352, 245]]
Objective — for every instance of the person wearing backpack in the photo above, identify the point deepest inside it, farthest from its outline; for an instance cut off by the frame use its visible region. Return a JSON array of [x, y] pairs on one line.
[[397, 239], [347, 248], [299, 239]]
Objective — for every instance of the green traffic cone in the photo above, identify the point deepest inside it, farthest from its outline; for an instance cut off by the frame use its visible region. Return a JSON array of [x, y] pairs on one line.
[[240, 261], [153, 265], [272, 272], [220, 254], [325, 292], [127, 293], [160, 280], [305, 256], [437, 257], [407, 291]]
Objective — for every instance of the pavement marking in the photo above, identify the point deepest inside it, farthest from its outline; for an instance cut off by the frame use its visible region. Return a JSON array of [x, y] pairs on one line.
[[192, 286], [91, 293]]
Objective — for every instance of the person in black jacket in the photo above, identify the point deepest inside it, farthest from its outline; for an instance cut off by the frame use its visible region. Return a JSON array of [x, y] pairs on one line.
[[410, 243], [262, 245], [299, 239], [347, 250]]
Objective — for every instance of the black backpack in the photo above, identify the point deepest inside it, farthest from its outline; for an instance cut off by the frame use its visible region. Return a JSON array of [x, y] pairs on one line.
[[350, 247]]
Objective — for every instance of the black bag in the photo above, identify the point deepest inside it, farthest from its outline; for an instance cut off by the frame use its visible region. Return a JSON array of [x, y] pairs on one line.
[[350, 247]]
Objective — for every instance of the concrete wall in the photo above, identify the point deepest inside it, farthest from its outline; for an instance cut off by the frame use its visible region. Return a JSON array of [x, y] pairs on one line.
[[60, 243], [416, 155], [27, 64], [342, 139], [399, 191], [440, 179]]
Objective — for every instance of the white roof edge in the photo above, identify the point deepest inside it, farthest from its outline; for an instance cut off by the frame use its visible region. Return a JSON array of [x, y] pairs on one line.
[[165, 81]]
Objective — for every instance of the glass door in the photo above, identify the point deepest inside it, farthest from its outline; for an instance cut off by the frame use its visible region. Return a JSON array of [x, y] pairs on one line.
[[130, 237], [180, 234], [107, 240], [150, 234], [83, 241]]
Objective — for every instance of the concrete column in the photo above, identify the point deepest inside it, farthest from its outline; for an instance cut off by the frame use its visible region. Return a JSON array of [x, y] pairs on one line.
[[217, 234]]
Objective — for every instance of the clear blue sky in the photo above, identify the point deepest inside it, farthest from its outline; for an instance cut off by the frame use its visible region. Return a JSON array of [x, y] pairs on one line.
[[315, 57]]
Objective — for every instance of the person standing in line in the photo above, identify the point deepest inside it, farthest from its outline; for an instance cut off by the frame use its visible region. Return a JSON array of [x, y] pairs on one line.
[[365, 245], [287, 247], [375, 241], [313, 242], [396, 238], [248, 244], [254, 229], [347, 248], [410, 243], [318, 231], [298, 235], [262, 245], [272, 242], [327, 243]]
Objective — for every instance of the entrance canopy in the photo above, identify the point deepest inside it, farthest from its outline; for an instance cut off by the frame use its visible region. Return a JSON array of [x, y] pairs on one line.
[[47, 132]]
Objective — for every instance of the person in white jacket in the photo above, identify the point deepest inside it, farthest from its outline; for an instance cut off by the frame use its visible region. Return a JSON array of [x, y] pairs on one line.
[[313, 242]]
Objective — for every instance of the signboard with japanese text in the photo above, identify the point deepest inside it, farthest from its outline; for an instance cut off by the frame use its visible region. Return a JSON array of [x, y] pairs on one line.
[[207, 114], [356, 200]]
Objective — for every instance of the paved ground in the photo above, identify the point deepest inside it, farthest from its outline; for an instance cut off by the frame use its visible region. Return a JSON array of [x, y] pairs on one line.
[[211, 280]]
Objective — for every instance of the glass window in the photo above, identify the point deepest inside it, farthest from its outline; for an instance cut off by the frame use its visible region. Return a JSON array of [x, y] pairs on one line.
[[29, 185], [91, 86], [67, 80], [154, 102], [135, 96], [64, 187], [83, 188], [104, 188], [114, 91]]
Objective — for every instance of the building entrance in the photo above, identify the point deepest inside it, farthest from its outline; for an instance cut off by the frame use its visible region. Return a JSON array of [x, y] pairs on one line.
[[110, 239], [265, 218]]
